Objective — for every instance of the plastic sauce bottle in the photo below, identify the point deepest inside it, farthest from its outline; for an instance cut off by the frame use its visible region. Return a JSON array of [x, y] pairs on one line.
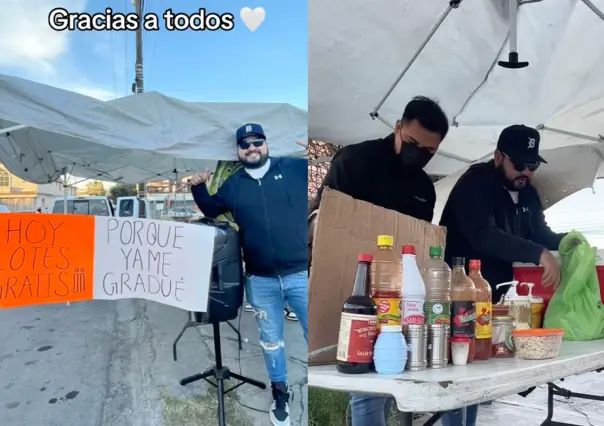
[[358, 324], [386, 281], [414, 291], [537, 307], [463, 305], [390, 352], [484, 312], [519, 306], [437, 279]]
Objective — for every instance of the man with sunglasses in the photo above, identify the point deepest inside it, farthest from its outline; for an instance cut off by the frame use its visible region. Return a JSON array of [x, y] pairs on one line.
[[493, 214], [268, 200]]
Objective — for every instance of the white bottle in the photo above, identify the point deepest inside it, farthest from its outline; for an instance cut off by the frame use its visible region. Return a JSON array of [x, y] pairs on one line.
[[413, 295]]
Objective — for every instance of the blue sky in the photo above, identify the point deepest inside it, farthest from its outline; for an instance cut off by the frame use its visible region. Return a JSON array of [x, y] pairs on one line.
[[269, 65]]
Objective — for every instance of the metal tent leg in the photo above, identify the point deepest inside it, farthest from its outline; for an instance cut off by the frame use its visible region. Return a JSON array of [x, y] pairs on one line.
[[594, 9]]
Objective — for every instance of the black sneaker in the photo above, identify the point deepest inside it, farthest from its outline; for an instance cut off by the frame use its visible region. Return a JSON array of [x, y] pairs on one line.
[[279, 412], [289, 314]]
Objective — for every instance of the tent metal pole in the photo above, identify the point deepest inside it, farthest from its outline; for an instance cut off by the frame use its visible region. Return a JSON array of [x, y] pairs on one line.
[[453, 4], [599, 138], [594, 9], [513, 45], [13, 129]]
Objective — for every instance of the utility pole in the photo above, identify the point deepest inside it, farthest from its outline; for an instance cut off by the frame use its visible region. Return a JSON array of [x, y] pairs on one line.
[[138, 87]]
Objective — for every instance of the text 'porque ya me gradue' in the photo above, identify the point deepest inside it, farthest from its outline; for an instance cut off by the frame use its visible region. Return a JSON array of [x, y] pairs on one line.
[[149, 254]]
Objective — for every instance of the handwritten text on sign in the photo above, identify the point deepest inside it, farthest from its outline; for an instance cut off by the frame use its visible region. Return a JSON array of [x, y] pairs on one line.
[[61, 258], [45, 259], [168, 262]]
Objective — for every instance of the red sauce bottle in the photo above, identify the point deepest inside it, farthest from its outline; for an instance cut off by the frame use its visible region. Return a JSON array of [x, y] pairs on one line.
[[484, 312], [463, 305]]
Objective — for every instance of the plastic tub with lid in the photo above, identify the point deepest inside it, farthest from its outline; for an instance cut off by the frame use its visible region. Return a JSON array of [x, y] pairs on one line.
[[542, 343]]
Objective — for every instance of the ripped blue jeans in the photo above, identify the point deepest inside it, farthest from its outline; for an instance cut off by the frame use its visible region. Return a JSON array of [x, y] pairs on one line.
[[268, 297]]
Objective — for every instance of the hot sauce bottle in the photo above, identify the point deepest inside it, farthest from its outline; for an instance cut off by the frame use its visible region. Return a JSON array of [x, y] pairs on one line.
[[463, 305]]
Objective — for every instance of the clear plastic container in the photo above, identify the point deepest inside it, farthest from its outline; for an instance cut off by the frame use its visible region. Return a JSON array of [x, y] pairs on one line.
[[503, 345], [437, 279], [542, 343]]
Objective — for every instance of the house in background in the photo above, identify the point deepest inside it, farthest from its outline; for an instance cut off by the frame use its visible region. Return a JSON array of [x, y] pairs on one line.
[[22, 196]]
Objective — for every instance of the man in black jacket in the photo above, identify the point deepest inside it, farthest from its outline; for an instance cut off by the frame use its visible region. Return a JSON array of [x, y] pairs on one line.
[[268, 199], [389, 173], [493, 214]]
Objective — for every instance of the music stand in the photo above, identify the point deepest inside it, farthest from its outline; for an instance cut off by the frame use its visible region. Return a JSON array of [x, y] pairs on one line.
[[219, 372]]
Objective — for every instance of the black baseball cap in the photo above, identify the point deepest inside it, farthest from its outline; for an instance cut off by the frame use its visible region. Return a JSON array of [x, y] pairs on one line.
[[249, 129], [521, 144]]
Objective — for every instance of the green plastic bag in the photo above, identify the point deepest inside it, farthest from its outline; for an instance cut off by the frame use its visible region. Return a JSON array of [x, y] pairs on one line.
[[576, 306]]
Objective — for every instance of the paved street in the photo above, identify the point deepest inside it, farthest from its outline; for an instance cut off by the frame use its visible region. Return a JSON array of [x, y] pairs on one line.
[[110, 364], [532, 410]]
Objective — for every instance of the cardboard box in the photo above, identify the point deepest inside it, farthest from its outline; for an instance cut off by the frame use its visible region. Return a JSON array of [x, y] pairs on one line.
[[346, 227]]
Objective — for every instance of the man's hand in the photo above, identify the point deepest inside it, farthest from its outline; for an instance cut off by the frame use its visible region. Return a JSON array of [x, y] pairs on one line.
[[302, 144], [551, 269], [200, 178]]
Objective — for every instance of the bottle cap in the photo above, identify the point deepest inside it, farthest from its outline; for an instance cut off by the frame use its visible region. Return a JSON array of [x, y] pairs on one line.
[[436, 251], [363, 257], [475, 264], [459, 261], [409, 249], [385, 240], [460, 339]]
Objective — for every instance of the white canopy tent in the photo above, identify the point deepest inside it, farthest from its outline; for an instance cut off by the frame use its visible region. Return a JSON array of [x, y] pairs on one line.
[[46, 132], [369, 59]]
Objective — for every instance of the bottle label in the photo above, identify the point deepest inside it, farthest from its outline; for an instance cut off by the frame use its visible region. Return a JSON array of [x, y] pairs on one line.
[[413, 312], [357, 338], [463, 318], [437, 313], [484, 326], [388, 311]]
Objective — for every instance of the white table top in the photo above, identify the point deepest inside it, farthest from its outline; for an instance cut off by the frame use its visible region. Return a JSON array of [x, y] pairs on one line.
[[459, 386]]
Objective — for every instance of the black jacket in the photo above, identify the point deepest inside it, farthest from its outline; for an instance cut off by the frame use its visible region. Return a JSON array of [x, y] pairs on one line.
[[270, 213], [484, 223], [371, 171]]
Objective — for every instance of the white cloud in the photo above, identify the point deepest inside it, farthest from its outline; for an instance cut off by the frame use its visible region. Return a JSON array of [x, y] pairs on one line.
[[30, 49]]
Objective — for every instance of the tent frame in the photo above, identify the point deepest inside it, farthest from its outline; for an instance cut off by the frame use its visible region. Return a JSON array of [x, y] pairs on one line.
[[454, 4]]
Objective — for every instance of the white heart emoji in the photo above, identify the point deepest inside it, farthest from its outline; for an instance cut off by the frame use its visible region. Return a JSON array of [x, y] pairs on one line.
[[252, 18]]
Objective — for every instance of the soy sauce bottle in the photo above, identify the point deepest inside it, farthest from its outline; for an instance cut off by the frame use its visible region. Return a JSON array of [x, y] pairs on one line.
[[358, 324]]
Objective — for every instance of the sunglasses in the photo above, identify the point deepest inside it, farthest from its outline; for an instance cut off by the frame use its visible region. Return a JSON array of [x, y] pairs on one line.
[[246, 145], [521, 166]]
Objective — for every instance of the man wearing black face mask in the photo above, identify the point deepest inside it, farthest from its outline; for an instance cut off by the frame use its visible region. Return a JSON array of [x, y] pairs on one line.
[[389, 173]]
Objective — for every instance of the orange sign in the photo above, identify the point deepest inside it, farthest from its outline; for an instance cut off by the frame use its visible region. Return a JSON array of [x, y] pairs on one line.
[[45, 258]]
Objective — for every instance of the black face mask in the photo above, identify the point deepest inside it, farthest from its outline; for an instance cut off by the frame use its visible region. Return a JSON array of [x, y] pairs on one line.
[[413, 156]]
